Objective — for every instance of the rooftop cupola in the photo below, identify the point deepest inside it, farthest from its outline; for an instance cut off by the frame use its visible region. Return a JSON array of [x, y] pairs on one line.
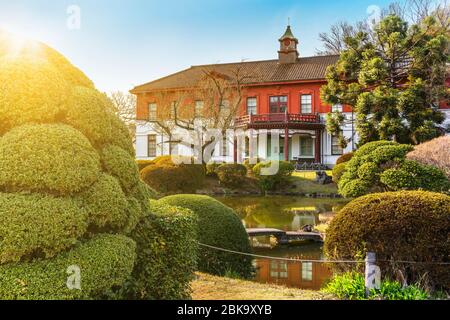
[[288, 48]]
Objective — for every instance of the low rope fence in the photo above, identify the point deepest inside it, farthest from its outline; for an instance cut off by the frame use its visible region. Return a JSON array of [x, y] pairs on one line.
[[312, 260]]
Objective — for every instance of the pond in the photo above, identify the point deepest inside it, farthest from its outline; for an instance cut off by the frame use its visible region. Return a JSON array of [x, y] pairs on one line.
[[287, 214]]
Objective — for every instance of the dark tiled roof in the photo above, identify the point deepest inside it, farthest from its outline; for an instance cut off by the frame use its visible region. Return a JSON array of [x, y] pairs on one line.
[[256, 72]]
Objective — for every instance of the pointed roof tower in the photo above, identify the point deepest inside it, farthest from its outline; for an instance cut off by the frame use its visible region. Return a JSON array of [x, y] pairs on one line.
[[288, 47]]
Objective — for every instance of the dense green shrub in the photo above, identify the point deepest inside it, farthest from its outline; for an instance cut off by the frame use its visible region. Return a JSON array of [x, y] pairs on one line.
[[351, 286], [25, 100], [168, 178], [85, 111], [121, 165], [344, 158], [271, 182], [232, 175], [69, 72], [249, 165], [105, 262], [49, 158], [105, 203], [166, 255], [211, 169], [54, 193], [413, 175], [376, 165], [218, 226], [144, 163], [33, 226], [338, 171], [397, 226]]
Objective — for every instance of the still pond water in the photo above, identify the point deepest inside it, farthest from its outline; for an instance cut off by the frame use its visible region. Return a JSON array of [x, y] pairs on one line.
[[287, 214]]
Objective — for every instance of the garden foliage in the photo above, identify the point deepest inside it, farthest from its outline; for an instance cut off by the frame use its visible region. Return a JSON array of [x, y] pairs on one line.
[[219, 226], [382, 166], [397, 226], [69, 187], [273, 181]]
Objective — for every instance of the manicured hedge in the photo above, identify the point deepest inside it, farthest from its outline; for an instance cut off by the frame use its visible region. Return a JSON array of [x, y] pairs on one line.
[[211, 169], [49, 158], [232, 175], [344, 158], [105, 262], [71, 74], [218, 226], [397, 226], [106, 204], [278, 179], [36, 94], [38, 226], [67, 175], [121, 165], [338, 171], [143, 163], [382, 166], [166, 254], [87, 111], [167, 178]]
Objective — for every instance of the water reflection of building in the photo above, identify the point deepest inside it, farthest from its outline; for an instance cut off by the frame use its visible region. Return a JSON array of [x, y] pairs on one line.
[[304, 275]]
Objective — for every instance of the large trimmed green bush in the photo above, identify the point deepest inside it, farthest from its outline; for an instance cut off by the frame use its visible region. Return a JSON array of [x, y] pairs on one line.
[[120, 164], [219, 226], [32, 90], [232, 175], [105, 262], [33, 225], [382, 166], [344, 158], [67, 180], [166, 177], [338, 171], [276, 180], [105, 203], [48, 157], [397, 226], [166, 254]]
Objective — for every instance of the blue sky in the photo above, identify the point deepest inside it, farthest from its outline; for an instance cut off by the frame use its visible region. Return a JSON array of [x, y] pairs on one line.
[[122, 43]]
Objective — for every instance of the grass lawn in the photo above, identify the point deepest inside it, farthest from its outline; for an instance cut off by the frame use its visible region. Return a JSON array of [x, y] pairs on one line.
[[208, 287], [305, 182]]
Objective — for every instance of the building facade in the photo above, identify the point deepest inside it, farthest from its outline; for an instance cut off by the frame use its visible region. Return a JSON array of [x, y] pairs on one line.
[[280, 113]]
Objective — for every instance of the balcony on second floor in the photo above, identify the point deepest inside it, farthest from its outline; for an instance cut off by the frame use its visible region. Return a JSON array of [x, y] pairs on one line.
[[280, 121]]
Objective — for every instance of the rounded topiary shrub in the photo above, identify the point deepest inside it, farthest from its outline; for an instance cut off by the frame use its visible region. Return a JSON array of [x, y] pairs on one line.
[[47, 157], [32, 91], [166, 254], [120, 164], [67, 181], [38, 225], [166, 177], [104, 262], [382, 166], [397, 226], [219, 226], [338, 171], [232, 175], [344, 158], [273, 174]]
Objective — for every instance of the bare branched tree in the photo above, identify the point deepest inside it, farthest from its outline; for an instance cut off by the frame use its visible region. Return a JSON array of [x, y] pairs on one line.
[[125, 107], [414, 11], [213, 104]]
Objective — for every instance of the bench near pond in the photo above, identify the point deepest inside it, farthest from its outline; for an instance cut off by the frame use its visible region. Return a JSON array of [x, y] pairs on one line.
[[286, 237]]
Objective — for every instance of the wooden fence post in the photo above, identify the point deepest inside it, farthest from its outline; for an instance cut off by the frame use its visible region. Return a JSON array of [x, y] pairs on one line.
[[372, 273]]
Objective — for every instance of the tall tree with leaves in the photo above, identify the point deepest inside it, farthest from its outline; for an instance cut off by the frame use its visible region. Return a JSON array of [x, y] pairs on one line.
[[394, 78]]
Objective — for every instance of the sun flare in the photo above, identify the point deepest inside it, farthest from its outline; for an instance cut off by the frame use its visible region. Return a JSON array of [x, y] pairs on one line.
[[16, 43]]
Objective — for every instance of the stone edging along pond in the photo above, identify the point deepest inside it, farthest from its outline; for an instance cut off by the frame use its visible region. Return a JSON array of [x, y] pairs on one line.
[[226, 192]]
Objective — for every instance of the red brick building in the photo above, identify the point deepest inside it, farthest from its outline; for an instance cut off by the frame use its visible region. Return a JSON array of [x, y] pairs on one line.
[[281, 95]]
